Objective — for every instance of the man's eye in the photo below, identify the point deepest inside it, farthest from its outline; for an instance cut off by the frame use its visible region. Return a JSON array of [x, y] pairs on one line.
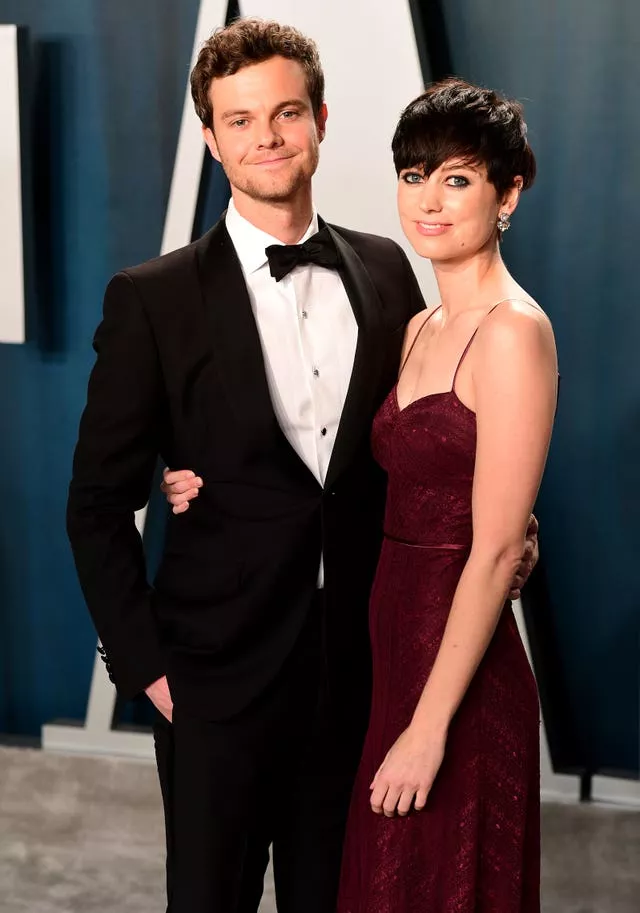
[[412, 177], [240, 122], [288, 114]]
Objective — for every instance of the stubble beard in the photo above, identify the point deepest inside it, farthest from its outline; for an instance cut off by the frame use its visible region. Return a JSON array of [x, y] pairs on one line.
[[274, 190]]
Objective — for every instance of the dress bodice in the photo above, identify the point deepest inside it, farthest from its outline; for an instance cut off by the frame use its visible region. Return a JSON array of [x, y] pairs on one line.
[[428, 450]]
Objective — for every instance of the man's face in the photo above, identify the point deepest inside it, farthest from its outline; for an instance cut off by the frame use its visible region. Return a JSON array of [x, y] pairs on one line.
[[264, 130]]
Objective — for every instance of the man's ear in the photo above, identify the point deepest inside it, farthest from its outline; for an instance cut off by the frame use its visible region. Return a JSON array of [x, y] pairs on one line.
[[322, 121], [210, 140]]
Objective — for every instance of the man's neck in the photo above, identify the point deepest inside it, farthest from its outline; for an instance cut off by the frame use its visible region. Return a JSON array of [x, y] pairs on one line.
[[287, 220]]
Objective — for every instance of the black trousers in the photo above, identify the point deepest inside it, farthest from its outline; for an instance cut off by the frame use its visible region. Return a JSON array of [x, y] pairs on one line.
[[279, 774]]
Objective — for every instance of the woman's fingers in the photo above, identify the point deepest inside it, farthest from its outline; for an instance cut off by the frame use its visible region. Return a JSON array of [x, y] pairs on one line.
[[421, 799], [405, 801], [179, 498], [171, 476], [378, 795], [391, 801], [179, 487]]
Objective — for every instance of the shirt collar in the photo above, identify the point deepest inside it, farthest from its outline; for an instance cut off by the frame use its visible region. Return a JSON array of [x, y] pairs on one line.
[[251, 242]]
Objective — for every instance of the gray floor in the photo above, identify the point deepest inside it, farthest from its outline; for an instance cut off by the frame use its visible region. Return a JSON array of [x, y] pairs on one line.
[[81, 835]]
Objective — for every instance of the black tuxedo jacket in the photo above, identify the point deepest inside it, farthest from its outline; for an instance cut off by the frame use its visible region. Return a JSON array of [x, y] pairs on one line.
[[180, 374]]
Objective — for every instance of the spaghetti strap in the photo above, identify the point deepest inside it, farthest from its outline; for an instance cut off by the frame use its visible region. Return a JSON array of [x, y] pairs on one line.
[[473, 335], [415, 338]]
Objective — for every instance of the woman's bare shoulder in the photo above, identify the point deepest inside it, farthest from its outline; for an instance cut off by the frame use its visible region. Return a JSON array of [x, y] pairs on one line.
[[515, 318], [516, 328]]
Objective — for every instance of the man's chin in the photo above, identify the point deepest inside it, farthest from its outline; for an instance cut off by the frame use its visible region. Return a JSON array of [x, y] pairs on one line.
[[275, 194]]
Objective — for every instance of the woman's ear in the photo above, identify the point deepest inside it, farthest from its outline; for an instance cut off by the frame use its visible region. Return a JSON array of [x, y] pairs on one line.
[[512, 196]]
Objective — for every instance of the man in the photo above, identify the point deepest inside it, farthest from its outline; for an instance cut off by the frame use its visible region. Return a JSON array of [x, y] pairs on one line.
[[260, 369]]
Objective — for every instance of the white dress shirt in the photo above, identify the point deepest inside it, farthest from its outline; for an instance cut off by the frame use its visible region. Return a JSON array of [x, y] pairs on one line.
[[308, 335]]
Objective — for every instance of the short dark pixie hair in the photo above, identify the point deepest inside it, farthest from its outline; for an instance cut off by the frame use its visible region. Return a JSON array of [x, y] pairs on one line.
[[454, 119], [250, 41]]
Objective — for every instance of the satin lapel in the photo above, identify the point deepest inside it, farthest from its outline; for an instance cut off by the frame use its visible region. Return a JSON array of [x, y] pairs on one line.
[[361, 399], [236, 343]]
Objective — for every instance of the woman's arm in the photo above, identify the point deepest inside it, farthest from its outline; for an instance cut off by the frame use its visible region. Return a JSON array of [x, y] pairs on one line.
[[515, 386]]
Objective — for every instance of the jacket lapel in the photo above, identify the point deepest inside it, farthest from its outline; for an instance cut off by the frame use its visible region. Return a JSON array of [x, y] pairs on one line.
[[362, 393], [236, 342]]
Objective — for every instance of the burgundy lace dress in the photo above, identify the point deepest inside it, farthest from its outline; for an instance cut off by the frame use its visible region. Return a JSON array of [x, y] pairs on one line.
[[475, 848]]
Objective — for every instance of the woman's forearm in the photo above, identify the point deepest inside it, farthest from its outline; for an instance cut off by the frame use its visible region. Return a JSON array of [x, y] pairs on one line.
[[478, 601]]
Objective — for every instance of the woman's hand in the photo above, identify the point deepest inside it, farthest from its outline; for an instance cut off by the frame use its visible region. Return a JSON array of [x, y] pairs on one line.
[[180, 486], [529, 560], [406, 775]]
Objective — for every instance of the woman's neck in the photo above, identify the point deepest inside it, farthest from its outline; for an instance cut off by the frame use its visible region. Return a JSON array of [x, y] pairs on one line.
[[472, 283]]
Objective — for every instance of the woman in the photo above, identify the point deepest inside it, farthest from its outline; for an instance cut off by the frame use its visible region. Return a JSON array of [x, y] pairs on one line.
[[450, 762], [451, 759]]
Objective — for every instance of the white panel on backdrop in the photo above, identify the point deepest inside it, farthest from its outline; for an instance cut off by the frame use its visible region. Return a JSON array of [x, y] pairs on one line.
[[12, 322], [187, 168], [370, 60]]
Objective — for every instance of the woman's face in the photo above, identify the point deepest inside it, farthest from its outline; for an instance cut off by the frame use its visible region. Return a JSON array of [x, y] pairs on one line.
[[452, 213]]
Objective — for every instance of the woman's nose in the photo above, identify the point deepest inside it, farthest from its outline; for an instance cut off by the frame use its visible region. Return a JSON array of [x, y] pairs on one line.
[[430, 198]]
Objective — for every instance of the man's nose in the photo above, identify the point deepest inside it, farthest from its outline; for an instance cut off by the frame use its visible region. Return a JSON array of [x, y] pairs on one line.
[[267, 136]]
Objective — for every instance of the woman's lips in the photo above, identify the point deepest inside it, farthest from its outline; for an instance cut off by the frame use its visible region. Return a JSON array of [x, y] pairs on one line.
[[432, 229]]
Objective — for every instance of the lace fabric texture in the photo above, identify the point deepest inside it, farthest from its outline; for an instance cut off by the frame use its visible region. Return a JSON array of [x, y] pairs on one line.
[[476, 847]]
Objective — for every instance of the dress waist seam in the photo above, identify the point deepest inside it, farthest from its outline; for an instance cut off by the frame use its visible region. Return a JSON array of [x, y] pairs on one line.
[[454, 546]]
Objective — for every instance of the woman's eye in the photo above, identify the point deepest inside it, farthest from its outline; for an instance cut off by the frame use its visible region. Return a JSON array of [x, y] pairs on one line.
[[412, 177], [457, 180]]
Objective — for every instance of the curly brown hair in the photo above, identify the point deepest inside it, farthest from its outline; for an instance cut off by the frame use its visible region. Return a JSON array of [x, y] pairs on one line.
[[246, 42]]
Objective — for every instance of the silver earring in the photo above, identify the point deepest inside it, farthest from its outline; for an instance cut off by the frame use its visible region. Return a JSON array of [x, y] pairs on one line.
[[504, 222]]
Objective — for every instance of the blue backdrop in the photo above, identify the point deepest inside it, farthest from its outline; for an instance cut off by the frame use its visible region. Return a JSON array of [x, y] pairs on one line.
[[106, 94], [107, 83]]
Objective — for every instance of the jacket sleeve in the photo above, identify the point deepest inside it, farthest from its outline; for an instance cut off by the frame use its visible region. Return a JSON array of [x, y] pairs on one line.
[[415, 301], [113, 468]]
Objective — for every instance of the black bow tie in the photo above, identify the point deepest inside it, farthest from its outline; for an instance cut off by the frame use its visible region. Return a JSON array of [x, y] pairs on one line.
[[319, 249]]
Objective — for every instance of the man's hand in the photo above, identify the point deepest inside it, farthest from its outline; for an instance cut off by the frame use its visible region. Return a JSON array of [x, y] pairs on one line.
[[529, 559], [160, 696], [180, 487]]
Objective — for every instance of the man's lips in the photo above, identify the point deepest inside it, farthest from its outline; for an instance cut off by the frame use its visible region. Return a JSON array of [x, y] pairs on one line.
[[276, 161]]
